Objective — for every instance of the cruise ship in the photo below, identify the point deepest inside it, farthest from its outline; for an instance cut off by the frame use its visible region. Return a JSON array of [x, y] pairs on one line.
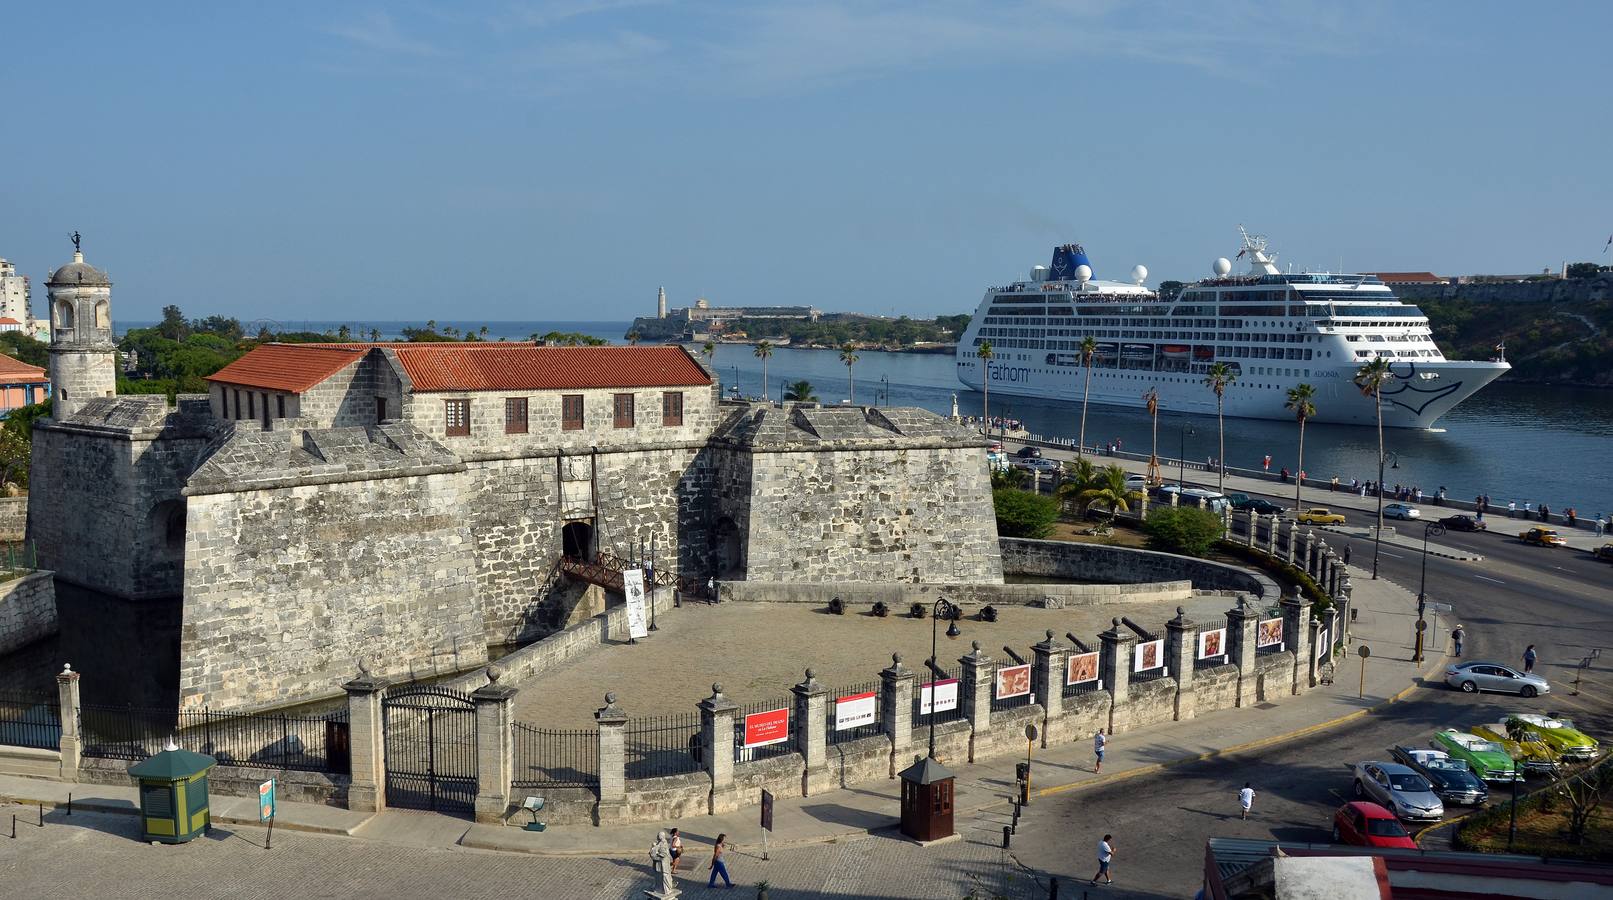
[[1274, 330]]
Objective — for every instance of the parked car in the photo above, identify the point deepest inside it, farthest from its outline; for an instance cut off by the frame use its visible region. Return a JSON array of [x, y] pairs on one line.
[[1532, 752], [1259, 504], [1399, 790], [1605, 552], [1164, 491], [1543, 536], [1204, 497], [1451, 778], [1401, 511], [1320, 515], [1462, 523], [1486, 758], [1364, 824], [1029, 453], [1561, 734], [1137, 483], [1038, 464], [1477, 676]]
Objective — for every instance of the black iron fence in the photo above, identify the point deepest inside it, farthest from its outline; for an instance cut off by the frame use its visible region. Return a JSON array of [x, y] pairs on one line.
[[848, 715], [30, 721], [1149, 674], [948, 688], [663, 745], [554, 757], [772, 731], [267, 740], [17, 560]]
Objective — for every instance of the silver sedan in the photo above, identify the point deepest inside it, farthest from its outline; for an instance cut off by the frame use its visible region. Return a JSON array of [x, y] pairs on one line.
[[1398, 789], [1474, 677]]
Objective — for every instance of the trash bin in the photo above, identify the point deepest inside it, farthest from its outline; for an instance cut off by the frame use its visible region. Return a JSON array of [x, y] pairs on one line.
[[173, 794]]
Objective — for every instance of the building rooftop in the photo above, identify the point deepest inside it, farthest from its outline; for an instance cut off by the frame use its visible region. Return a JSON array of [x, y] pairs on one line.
[[1408, 277], [517, 367], [79, 272], [14, 370], [289, 367]]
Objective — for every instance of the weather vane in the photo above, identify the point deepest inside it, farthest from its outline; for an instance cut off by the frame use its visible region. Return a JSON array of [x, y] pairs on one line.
[[76, 240]]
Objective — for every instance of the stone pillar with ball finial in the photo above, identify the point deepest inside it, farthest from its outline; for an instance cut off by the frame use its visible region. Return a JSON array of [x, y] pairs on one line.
[[812, 734], [495, 747], [366, 741], [611, 721], [717, 750]]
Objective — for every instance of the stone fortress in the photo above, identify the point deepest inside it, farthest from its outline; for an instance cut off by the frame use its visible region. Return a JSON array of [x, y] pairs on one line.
[[410, 504]]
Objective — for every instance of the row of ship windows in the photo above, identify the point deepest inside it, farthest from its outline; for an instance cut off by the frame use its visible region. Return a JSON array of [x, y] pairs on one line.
[[1242, 338]]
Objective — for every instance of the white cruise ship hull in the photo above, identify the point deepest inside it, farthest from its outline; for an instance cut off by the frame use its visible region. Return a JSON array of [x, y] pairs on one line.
[[1421, 392]]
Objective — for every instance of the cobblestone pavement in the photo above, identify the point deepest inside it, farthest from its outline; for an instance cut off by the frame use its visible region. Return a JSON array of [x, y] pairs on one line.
[[99, 855], [759, 650]]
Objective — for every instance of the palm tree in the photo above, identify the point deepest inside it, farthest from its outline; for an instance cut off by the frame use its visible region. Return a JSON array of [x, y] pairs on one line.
[[1079, 476], [1218, 378], [763, 350], [848, 355], [633, 337], [985, 353], [1299, 400], [709, 351], [1371, 379], [800, 391], [1089, 350], [1110, 490], [1151, 400]]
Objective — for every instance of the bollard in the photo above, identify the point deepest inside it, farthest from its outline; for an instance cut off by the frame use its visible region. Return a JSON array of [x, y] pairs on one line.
[[1006, 833], [1052, 889], [13, 826], [41, 815], [69, 804]]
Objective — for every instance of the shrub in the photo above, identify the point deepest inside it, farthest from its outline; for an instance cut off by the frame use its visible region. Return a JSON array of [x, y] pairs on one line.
[[1183, 529], [1022, 514]]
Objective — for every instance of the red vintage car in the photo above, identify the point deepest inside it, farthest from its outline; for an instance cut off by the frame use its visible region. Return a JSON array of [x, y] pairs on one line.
[[1365, 824]]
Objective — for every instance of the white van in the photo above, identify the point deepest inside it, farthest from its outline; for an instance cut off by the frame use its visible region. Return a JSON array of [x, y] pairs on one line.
[[1212, 501]]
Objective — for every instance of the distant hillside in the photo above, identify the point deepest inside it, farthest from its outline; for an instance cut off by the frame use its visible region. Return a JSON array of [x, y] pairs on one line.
[[1551, 343]]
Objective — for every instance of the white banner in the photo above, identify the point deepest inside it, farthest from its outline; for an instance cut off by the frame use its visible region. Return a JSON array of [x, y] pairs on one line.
[[944, 693], [853, 710], [633, 587], [1324, 647]]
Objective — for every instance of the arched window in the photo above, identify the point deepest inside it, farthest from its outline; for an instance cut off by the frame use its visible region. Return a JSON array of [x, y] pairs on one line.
[[64, 315], [103, 315]]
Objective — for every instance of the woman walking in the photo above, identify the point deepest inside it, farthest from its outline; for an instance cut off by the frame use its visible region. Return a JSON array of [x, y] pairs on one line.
[[717, 866]]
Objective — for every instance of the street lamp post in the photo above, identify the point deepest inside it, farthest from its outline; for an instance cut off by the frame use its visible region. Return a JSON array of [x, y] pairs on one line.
[[1432, 529], [885, 380], [942, 607], [1181, 457], [1377, 533], [736, 381]]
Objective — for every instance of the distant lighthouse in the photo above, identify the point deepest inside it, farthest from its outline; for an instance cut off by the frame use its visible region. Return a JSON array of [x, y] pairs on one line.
[[660, 303]]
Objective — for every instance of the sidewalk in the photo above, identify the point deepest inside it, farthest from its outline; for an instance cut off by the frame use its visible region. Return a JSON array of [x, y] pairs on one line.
[[1319, 495], [1385, 618]]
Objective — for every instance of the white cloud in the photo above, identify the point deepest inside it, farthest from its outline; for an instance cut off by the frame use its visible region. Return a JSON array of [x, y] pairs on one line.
[[377, 31]]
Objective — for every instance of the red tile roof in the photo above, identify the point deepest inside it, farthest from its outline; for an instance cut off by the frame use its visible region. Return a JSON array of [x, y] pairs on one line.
[[288, 367], [525, 367], [14, 371], [7, 320]]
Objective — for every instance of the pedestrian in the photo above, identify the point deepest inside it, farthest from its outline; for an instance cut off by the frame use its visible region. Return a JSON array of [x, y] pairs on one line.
[[1106, 854], [1528, 510], [1601, 525], [1545, 513], [1571, 516], [676, 844], [717, 866], [1334, 484], [1346, 554], [1099, 741], [1456, 636], [1512, 508], [1529, 659], [1246, 799]]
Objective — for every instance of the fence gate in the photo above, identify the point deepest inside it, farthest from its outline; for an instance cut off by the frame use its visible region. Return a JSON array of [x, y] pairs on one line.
[[430, 749]]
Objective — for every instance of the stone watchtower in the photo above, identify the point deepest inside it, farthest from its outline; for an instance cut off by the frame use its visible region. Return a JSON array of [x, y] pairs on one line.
[[83, 356]]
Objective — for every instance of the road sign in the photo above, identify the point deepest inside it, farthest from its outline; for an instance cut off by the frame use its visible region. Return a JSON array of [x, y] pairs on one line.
[[767, 809], [1422, 625], [1363, 651]]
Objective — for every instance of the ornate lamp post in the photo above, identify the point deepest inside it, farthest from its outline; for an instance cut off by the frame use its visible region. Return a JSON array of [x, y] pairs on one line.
[[1377, 532], [1181, 458], [943, 607], [1432, 529]]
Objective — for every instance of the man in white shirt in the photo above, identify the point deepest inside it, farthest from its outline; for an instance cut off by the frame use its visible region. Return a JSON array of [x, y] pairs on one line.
[[1098, 743], [1246, 799], [1105, 854]]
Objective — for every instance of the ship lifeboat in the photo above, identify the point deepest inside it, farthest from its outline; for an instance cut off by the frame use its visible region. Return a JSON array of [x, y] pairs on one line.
[[1137, 351], [1106, 351], [1175, 351], [1204, 353]]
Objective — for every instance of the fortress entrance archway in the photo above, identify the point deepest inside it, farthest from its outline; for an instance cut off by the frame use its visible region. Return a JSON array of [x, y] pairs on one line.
[[577, 540], [729, 557]]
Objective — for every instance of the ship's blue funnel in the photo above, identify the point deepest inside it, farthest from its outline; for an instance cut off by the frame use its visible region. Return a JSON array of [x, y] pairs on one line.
[[1065, 259]]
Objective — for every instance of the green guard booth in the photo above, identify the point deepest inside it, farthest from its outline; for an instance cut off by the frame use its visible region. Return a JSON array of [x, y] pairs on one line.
[[173, 794]]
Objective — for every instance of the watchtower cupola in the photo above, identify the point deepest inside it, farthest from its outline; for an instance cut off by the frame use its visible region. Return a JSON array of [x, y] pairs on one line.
[[83, 355]]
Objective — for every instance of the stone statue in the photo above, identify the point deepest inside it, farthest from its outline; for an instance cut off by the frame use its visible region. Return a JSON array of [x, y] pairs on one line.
[[954, 404], [660, 861]]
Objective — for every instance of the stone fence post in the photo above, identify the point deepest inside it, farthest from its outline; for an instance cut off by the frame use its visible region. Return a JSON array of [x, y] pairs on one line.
[[1115, 665], [1242, 621], [1313, 662], [896, 708], [812, 733], [611, 720], [1047, 680], [1181, 651], [1272, 523], [69, 743], [717, 745], [1254, 526], [1298, 635], [978, 675], [495, 747], [367, 742]]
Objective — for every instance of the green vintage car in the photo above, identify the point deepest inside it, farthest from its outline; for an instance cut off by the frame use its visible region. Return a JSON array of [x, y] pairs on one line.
[[1532, 752], [1487, 759], [1561, 734]]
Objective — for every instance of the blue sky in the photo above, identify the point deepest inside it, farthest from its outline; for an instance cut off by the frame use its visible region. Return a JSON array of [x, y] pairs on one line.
[[560, 160]]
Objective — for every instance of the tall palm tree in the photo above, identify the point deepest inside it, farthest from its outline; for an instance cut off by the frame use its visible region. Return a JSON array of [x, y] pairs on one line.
[[801, 392], [1299, 400], [1371, 378], [633, 337], [1151, 400], [1109, 489], [1079, 476], [763, 350], [709, 351], [1218, 378], [848, 355], [1089, 351], [985, 353]]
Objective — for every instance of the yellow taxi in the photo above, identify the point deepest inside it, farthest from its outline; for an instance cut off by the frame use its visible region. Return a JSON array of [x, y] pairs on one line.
[[1545, 537], [1320, 515]]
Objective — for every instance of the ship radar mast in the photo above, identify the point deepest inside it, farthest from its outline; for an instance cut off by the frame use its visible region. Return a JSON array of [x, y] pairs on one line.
[[1260, 261]]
